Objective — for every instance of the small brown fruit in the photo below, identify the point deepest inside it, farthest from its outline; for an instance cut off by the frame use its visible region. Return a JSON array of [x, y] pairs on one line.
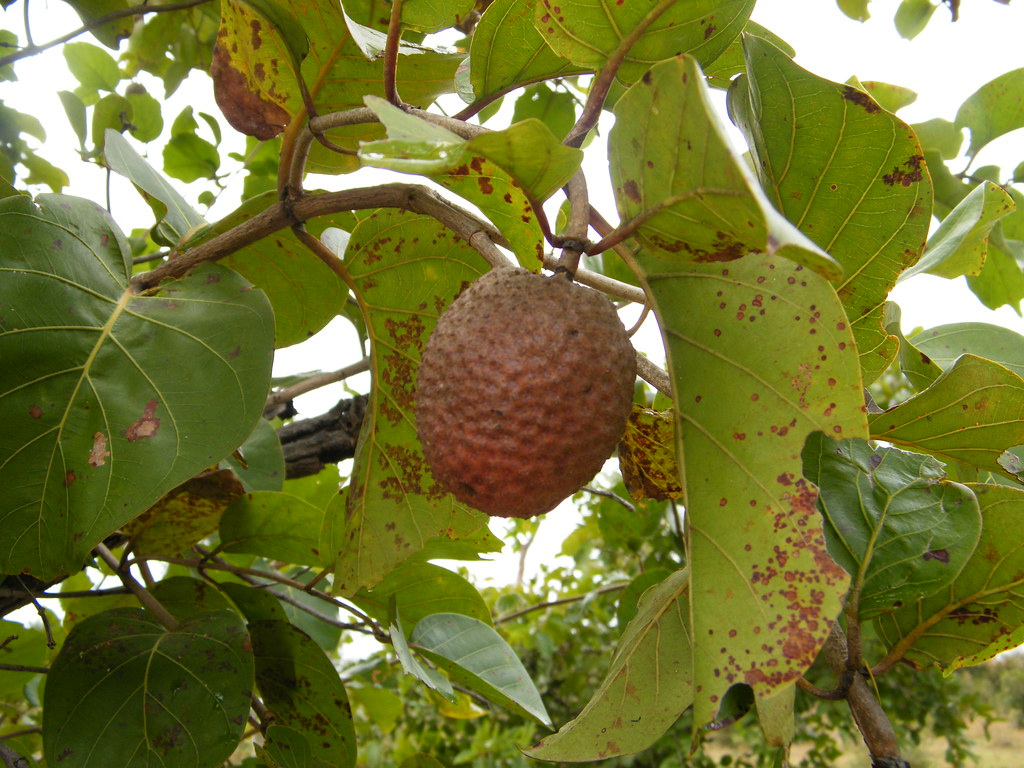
[[523, 391]]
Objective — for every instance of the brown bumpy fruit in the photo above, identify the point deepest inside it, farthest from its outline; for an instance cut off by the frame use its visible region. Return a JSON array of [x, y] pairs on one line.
[[523, 391]]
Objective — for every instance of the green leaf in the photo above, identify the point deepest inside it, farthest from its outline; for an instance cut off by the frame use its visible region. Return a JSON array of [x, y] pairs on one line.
[[678, 182], [476, 656], [110, 33], [187, 598], [75, 110], [648, 686], [286, 747], [255, 602], [112, 114], [405, 268], [891, 98], [733, 61], [175, 217], [589, 35], [93, 67], [945, 344], [24, 648], [629, 600], [960, 245], [914, 364], [848, 174], [424, 673], [116, 398], [507, 51], [892, 520], [761, 355], [125, 691], [300, 685], [993, 110], [261, 467], [189, 158], [972, 413], [274, 525], [184, 516], [855, 9], [982, 612], [147, 120], [534, 158], [939, 135], [303, 291], [912, 17], [422, 589], [556, 109], [434, 15]]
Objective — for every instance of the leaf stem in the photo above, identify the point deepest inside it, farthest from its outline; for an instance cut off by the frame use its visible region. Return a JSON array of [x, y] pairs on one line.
[[603, 80], [285, 394], [149, 602], [394, 39], [23, 668], [561, 601]]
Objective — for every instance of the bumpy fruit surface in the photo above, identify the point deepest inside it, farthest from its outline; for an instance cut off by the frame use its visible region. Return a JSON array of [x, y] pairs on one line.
[[523, 391]]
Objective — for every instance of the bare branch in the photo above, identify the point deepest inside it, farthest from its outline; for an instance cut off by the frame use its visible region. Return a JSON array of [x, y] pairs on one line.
[[391, 53], [283, 395], [561, 601], [653, 375], [11, 758], [148, 601]]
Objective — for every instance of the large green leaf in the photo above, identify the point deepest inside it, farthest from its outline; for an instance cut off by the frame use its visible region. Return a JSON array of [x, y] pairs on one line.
[[892, 520], [507, 51], [21, 647], [676, 177], [648, 686], [300, 685], [406, 268], [944, 344], [850, 175], [960, 245], [974, 413], [761, 355], [110, 33], [993, 110], [588, 34], [982, 613], [274, 525], [125, 691], [476, 656], [111, 399]]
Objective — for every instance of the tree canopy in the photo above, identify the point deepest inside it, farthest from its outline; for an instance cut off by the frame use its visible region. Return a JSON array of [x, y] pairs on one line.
[[813, 509]]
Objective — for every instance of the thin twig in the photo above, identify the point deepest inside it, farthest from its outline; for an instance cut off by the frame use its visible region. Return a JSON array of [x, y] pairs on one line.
[[610, 495], [23, 668], [283, 395], [7, 592], [148, 601], [575, 239], [50, 642], [561, 601], [136, 10], [653, 375], [11, 758]]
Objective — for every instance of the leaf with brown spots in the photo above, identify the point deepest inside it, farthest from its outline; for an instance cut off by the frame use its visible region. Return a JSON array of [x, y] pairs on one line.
[[850, 178], [588, 35], [176, 697], [647, 455], [892, 520], [982, 613], [242, 105], [184, 516], [406, 269], [972, 413], [648, 685], [299, 684], [274, 525], [678, 182], [135, 393], [761, 355]]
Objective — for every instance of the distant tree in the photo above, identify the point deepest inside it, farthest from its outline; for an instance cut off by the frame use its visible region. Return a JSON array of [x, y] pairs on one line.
[[813, 512]]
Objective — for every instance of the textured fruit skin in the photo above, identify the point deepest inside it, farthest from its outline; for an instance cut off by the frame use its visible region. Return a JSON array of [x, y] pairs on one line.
[[523, 391]]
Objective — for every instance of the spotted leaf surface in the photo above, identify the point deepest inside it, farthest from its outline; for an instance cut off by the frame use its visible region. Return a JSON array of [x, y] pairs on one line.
[[945, 344], [892, 520], [406, 269], [125, 691], [761, 355], [849, 174], [648, 686], [979, 615], [679, 184], [300, 685], [110, 399], [972, 413], [647, 455], [590, 32]]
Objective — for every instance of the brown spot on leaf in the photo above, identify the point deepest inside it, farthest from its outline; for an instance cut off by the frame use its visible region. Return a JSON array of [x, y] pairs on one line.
[[245, 109], [632, 191], [98, 453], [35, 412], [861, 99], [146, 426], [910, 173]]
